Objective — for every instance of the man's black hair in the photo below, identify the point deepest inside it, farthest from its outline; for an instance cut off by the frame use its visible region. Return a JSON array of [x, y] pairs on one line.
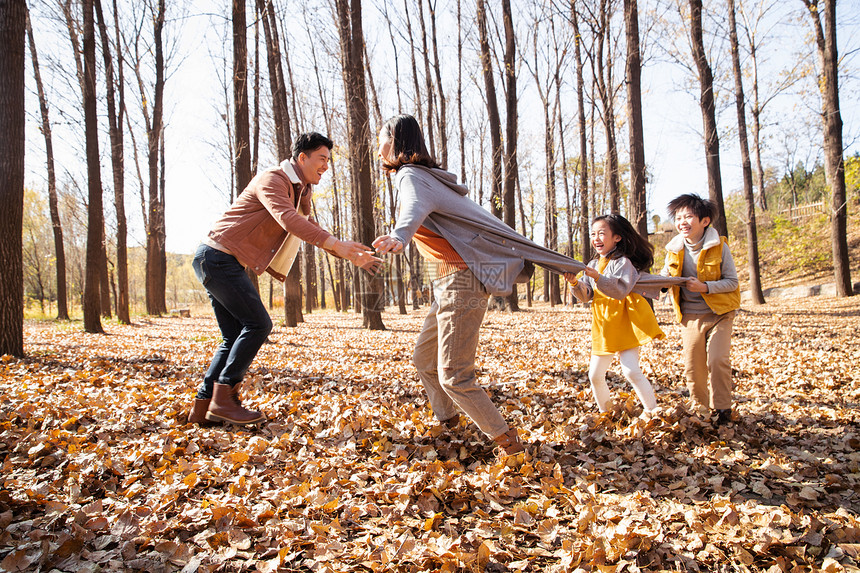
[[309, 142]]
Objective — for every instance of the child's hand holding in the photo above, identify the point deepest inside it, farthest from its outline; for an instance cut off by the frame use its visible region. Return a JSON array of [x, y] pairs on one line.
[[592, 273], [571, 278], [695, 285]]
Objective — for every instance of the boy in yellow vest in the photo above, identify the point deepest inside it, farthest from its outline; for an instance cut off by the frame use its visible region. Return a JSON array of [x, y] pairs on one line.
[[707, 305]]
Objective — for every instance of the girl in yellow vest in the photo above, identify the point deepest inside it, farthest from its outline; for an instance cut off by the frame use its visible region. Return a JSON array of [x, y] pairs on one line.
[[622, 320], [707, 305]]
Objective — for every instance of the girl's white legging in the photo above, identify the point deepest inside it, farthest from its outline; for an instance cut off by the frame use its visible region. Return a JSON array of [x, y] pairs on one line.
[[629, 360]]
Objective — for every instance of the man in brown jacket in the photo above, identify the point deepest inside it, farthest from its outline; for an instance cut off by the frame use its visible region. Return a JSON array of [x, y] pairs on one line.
[[261, 231]]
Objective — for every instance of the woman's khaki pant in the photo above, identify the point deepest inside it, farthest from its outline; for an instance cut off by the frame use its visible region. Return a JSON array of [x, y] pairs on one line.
[[707, 342], [445, 352]]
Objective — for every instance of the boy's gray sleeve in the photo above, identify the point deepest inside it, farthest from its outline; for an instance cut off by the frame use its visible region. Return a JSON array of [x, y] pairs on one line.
[[729, 274]]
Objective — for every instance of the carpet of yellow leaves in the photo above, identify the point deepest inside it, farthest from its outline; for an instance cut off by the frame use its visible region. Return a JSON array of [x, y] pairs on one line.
[[100, 472]]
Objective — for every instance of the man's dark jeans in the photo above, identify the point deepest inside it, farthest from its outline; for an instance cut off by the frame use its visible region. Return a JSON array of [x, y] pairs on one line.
[[241, 316]]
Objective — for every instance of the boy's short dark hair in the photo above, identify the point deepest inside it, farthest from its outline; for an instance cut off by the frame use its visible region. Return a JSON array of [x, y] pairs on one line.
[[701, 208], [308, 142]]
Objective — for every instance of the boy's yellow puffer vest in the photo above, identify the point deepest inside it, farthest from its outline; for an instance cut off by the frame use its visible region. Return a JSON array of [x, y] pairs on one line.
[[708, 268]]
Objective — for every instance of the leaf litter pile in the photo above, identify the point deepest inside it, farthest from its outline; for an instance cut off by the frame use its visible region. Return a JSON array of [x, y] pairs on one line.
[[351, 472]]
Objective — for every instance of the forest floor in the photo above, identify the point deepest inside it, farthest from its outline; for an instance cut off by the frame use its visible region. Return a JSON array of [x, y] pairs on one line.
[[100, 472]]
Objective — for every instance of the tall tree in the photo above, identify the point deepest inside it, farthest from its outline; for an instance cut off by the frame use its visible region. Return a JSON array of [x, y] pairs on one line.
[[358, 125], [511, 132], [746, 164], [550, 110], [429, 130], [834, 165], [12, 119], [95, 221], [116, 111], [707, 102], [602, 71], [156, 256], [637, 212], [53, 204], [241, 114], [73, 27], [460, 129], [492, 111], [338, 277], [584, 222], [443, 112], [283, 140]]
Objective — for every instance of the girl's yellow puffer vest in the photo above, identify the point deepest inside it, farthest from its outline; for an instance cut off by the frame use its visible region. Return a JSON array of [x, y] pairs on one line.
[[709, 268]]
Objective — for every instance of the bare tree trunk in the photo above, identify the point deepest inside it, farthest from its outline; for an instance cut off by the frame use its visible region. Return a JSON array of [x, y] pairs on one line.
[[13, 16], [310, 278], [564, 166], [53, 204], [283, 138], [584, 222], [756, 129], [352, 52], [746, 167], [155, 240], [95, 220], [277, 83], [709, 117], [492, 112], [429, 132], [241, 128], [638, 209], [338, 288], [104, 281], [443, 119], [828, 65], [511, 134], [116, 112], [415, 83], [462, 131], [529, 300], [255, 120], [603, 74]]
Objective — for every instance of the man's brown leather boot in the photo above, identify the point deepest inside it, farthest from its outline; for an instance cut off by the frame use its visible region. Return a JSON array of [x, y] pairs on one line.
[[226, 407], [198, 412]]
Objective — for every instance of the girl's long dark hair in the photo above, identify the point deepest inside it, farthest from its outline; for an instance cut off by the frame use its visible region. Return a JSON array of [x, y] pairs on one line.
[[632, 245], [407, 143]]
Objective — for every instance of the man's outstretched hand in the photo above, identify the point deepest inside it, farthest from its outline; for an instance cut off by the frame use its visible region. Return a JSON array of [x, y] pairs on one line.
[[358, 254]]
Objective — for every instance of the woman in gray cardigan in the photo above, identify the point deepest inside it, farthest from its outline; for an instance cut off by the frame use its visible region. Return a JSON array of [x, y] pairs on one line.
[[476, 254]]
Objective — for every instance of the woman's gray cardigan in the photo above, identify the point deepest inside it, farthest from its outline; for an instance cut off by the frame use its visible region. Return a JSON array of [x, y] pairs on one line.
[[497, 254]]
